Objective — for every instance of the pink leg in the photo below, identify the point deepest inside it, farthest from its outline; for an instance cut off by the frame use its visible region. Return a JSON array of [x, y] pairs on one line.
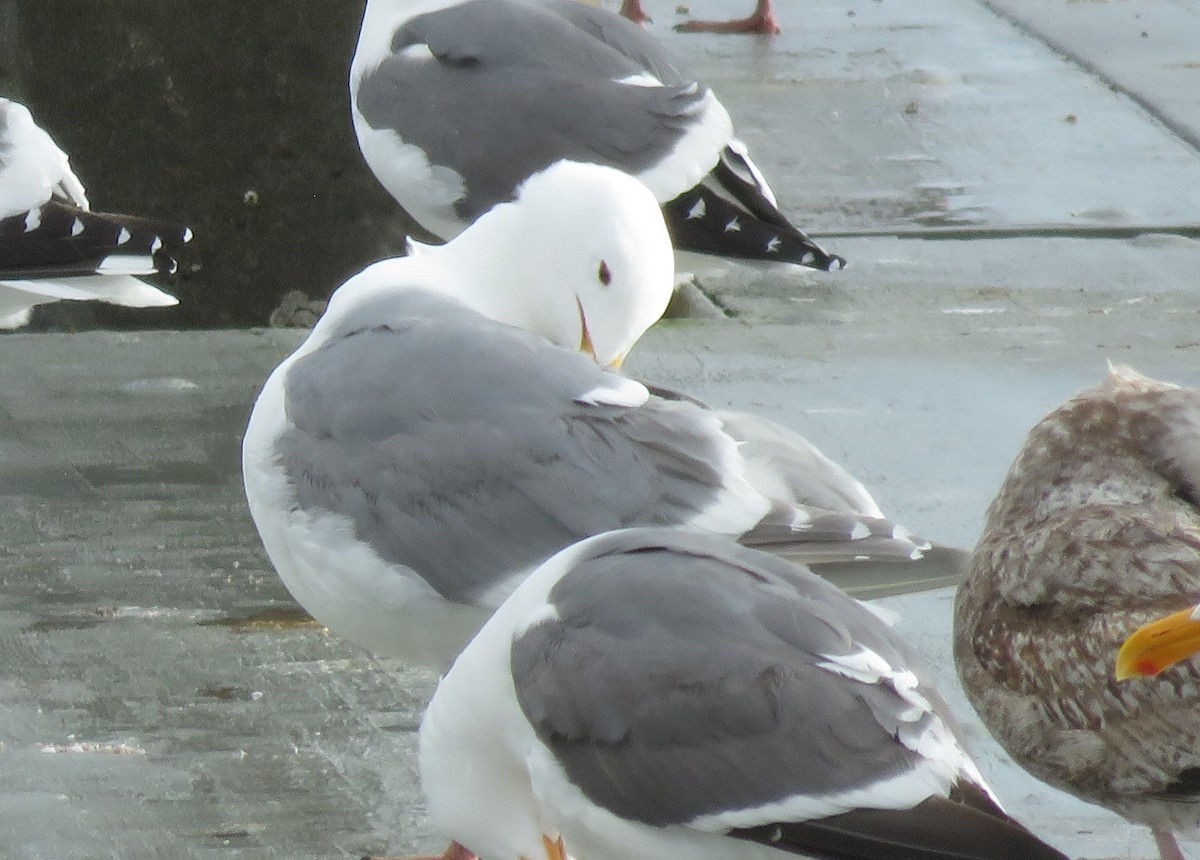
[[632, 9], [762, 21], [454, 851], [1168, 848]]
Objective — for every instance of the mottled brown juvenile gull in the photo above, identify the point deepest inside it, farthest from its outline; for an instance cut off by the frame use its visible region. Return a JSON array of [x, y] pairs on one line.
[[456, 102], [440, 434], [657, 693], [1094, 532], [53, 247]]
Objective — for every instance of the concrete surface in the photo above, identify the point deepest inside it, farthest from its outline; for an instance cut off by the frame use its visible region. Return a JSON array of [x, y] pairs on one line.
[[1019, 203]]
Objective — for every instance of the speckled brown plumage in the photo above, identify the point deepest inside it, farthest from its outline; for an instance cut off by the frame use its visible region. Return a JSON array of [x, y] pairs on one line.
[[1095, 531]]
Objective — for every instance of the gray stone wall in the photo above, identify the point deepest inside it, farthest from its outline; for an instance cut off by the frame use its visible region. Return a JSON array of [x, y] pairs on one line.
[[232, 117]]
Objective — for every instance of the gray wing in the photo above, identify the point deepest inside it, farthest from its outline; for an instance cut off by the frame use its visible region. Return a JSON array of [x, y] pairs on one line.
[[703, 691], [811, 478], [514, 89], [459, 448], [681, 676], [625, 37], [453, 445]]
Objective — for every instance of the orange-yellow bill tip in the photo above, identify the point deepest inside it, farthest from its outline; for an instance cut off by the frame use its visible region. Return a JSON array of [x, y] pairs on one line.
[[585, 337], [616, 363], [585, 342], [1159, 644], [555, 850]]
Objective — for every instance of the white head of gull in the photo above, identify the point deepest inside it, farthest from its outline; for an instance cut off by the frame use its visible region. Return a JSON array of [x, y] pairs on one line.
[[654, 693], [582, 258], [53, 247], [456, 102]]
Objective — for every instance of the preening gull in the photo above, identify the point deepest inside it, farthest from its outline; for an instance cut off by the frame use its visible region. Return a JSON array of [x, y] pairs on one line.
[[420, 453], [1094, 532], [455, 102], [655, 693], [761, 20], [53, 247]]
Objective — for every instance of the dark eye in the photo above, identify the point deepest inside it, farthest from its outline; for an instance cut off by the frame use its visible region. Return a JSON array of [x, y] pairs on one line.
[[604, 273]]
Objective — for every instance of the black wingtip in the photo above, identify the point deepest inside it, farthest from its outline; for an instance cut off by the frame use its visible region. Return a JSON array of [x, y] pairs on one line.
[[61, 240], [936, 829], [704, 221], [836, 263], [732, 213]]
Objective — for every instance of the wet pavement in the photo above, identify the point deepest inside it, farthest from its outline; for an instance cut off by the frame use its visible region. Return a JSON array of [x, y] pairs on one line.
[[1019, 195]]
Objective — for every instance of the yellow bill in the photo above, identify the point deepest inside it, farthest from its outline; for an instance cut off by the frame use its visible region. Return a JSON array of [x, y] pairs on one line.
[[1161, 643]]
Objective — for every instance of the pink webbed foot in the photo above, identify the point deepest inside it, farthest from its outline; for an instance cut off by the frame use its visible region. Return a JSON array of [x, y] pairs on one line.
[[632, 9], [454, 851], [763, 20], [1168, 848]]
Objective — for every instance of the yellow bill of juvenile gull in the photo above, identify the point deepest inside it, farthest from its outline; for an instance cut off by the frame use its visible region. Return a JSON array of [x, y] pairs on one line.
[[1159, 644]]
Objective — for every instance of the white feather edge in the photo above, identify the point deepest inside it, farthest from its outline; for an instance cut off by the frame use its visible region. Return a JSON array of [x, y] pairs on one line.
[[695, 154], [616, 391], [115, 289]]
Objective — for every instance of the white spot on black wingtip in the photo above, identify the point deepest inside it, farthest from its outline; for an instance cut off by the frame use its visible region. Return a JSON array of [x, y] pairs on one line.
[[173, 267], [156, 245], [733, 226], [699, 210], [187, 235], [773, 245], [76, 228], [123, 237], [836, 264], [808, 259], [33, 219]]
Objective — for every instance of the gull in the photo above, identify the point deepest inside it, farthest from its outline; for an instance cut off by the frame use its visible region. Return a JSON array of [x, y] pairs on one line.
[[1095, 531], [456, 102], [656, 693], [53, 247], [448, 425]]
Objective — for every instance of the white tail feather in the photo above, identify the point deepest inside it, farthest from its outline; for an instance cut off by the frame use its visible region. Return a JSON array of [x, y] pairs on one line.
[[127, 264]]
